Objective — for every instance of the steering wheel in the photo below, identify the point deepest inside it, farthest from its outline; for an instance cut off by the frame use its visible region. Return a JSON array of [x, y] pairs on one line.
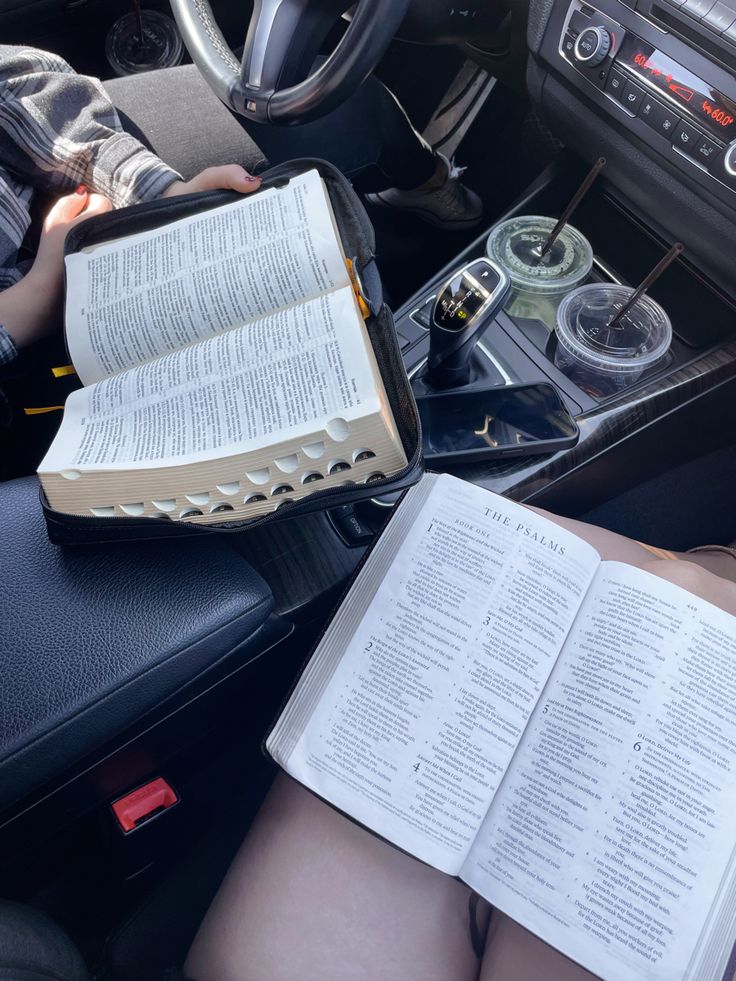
[[284, 37]]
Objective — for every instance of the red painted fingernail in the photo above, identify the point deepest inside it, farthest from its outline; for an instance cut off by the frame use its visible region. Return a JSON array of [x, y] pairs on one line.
[[81, 189]]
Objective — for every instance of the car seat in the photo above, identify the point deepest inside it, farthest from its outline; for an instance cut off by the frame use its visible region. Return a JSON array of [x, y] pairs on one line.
[[34, 948]]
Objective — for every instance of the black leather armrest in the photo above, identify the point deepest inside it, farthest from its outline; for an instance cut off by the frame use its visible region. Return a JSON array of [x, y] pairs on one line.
[[93, 638]]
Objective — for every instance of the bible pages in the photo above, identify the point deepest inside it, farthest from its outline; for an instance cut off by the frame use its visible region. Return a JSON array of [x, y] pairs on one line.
[[227, 364], [557, 731]]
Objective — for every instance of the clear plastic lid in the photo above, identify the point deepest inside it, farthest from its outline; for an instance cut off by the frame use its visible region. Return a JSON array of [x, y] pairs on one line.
[[130, 52], [638, 341], [515, 245]]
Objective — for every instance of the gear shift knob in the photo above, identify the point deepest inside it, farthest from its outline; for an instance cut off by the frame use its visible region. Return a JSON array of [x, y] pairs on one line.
[[464, 308]]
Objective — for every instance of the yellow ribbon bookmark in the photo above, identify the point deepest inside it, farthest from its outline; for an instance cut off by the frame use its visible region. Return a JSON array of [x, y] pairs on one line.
[[43, 410], [63, 371], [356, 289]]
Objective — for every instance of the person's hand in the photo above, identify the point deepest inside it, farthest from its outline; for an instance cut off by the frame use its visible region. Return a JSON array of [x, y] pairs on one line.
[[28, 310], [230, 177], [48, 266]]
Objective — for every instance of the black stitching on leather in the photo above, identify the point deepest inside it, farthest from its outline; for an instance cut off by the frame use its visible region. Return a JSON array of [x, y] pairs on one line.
[[224, 52]]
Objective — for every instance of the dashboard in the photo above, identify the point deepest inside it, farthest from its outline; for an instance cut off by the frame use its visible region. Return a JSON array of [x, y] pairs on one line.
[[427, 21], [682, 109], [650, 84], [452, 21]]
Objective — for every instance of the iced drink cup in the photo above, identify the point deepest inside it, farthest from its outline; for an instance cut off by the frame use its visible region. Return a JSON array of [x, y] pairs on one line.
[[539, 285], [600, 358]]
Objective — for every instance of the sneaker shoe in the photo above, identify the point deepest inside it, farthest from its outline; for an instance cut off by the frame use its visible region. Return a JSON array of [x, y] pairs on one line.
[[443, 201]]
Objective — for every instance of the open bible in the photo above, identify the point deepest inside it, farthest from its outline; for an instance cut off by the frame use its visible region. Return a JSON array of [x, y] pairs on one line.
[[557, 731], [227, 367]]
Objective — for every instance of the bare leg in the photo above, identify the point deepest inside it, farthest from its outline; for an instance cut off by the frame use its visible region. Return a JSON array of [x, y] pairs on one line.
[[313, 897], [512, 953], [689, 572], [608, 544], [721, 562], [613, 546]]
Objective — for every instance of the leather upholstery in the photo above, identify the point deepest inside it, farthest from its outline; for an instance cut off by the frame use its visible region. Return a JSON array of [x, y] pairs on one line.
[[91, 638], [33, 948]]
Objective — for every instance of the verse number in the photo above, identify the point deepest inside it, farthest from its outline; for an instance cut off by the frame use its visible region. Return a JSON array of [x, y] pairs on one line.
[[486, 619], [545, 710], [415, 768], [368, 646]]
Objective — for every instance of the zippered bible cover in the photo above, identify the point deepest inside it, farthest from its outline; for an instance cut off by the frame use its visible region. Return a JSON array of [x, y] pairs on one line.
[[358, 240]]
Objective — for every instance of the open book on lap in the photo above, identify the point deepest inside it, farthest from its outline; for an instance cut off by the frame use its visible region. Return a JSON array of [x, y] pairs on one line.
[[557, 731], [227, 364]]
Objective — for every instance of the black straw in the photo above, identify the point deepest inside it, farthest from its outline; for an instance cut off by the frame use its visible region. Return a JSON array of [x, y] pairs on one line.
[[139, 19], [575, 201], [677, 249]]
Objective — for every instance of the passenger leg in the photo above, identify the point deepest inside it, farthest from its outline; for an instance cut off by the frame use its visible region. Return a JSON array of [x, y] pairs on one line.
[[719, 559], [512, 952], [313, 897], [608, 544], [720, 564]]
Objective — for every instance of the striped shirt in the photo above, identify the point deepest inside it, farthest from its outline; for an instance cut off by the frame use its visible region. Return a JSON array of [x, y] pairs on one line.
[[58, 130], [7, 348]]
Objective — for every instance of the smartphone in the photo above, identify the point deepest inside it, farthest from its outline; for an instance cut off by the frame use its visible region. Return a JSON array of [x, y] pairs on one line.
[[477, 424]]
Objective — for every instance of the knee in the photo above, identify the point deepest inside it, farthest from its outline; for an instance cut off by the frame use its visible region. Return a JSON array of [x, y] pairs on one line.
[[690, 576]]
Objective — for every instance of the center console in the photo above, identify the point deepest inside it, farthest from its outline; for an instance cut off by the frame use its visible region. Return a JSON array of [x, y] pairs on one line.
[[650, 85], [669, 414]]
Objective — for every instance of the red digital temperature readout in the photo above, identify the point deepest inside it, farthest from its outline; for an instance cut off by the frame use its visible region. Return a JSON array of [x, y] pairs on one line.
[[663, 78], [717, 114], [695, 97]]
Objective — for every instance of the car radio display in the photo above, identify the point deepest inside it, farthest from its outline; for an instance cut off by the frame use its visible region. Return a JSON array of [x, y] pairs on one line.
[[694, 96]]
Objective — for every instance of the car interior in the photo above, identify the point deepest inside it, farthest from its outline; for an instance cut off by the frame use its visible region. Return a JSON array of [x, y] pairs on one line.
[[138, 680]]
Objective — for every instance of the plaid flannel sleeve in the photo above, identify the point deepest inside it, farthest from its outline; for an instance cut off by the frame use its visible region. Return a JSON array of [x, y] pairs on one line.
[[59, 129], [8, 350]]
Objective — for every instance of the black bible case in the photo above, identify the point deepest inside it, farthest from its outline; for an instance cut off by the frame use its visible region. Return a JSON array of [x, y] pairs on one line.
[[358, 241]]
